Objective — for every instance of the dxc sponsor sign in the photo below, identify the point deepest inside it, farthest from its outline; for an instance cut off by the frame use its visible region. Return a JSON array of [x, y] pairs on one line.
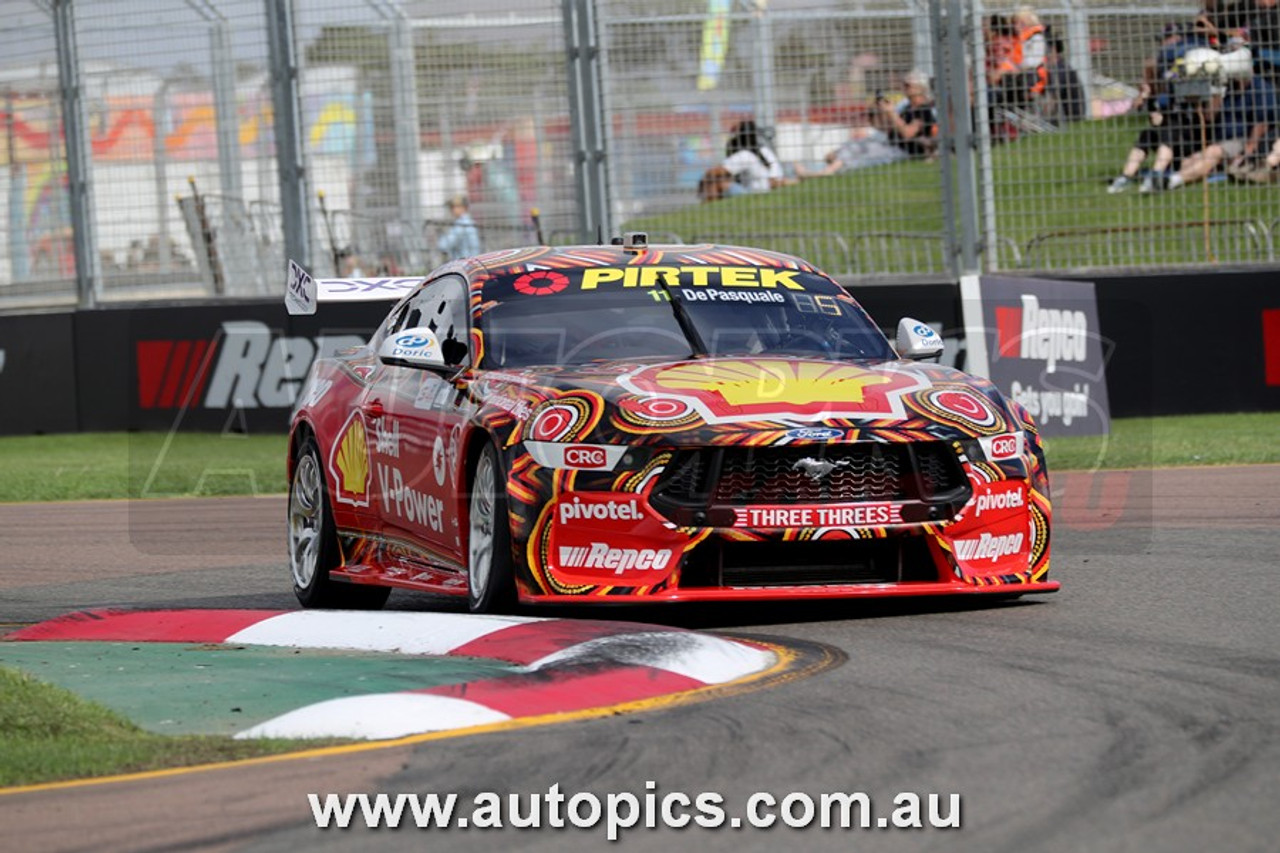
[[1038, 341]]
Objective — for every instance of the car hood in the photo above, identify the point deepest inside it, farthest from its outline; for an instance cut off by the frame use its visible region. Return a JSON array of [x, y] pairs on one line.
[[713, 400]]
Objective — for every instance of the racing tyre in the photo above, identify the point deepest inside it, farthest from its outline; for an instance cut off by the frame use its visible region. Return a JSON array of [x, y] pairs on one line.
[[490, 582], [313, 543]]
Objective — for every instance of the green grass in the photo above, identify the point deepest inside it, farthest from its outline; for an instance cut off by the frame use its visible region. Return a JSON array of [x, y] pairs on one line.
[[1041, 185], [50, 734], [1237, 439], [140, 465], [150, 465]]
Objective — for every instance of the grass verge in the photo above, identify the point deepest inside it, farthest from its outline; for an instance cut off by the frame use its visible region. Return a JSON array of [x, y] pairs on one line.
[[1233, 439], [153, 465], [50, 734], [140, 465]]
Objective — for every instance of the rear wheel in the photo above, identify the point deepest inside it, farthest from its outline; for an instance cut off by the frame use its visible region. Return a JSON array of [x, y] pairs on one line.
[[313, 542], [490, 583]]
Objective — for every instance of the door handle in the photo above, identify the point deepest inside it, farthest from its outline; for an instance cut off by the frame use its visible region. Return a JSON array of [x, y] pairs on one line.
[[373, 409]]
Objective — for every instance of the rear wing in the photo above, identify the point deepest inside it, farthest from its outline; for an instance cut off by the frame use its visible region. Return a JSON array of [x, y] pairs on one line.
[[303, 293]]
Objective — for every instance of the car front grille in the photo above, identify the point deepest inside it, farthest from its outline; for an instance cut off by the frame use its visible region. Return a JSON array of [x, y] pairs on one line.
[[808, 474]]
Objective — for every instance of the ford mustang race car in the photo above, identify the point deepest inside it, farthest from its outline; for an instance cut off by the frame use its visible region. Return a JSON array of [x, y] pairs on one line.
[[631, 423]]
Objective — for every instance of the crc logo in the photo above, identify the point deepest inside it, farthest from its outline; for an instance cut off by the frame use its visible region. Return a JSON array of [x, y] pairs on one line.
[[1004, 447], [585, 457]]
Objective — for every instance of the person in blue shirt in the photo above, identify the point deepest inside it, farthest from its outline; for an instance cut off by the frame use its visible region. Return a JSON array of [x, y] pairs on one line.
[[462, 238], [1247, 115]]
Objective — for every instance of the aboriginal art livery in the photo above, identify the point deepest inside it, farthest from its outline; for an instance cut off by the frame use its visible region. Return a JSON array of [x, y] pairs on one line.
[[634, 423]]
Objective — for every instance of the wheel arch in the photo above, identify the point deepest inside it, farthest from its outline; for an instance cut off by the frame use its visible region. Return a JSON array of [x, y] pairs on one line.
[[302, 430]]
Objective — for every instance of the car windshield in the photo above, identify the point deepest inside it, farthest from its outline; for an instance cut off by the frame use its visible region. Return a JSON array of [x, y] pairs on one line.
[[578, 316]]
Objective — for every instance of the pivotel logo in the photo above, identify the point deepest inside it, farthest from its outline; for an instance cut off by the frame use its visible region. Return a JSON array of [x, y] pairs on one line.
[[1014, 498], [577, 510], [246, 366], [1041, 334]]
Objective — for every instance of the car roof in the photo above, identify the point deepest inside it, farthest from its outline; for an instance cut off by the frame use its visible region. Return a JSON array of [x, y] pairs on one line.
[[582, 256]]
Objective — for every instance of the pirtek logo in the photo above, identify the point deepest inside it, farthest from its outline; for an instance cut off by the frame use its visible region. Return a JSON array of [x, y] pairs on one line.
[[1042, 334], [244, 366]]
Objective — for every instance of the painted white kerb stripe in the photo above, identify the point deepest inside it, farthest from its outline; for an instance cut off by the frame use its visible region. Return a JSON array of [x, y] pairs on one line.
[[711, 660], [377, 716], [380, 631]]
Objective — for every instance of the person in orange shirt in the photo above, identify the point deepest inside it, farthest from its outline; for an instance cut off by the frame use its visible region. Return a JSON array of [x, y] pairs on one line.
[[1018, 74]]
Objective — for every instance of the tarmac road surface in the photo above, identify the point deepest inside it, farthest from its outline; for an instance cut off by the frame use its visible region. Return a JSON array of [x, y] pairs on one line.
[[1134, 711]]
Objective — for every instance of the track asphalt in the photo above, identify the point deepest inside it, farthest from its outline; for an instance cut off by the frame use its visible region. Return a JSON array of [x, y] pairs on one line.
[[1133, 711]]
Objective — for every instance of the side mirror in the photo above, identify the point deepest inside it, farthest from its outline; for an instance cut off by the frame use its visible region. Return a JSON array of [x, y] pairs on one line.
[[917, 341], [416, 347]]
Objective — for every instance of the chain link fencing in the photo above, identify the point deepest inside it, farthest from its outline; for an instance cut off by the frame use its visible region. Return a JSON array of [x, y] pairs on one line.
[[536, 111]]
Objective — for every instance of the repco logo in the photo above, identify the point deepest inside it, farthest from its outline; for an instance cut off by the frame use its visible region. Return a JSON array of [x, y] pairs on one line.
[[601, 556], [246, 367], [585, 457], [1042, 334], [988, 547]]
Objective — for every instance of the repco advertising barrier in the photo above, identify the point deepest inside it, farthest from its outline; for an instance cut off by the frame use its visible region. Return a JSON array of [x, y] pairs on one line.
[[1169, 345], [1039, 341], [218, 367]]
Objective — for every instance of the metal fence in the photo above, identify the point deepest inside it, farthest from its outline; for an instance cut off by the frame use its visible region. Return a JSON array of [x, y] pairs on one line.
[[169, 148]]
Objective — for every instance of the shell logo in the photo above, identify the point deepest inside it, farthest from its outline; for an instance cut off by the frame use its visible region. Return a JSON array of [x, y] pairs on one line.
[[769, 389], [350, 463]]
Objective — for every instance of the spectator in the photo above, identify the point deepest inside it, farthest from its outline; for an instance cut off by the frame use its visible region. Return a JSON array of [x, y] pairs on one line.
[[866, 146], [349, 263], [912, 124], [1246, 116], [1019, 74], [1064, 96], [752, 163], [1174, 136], [1173, 133], [462, 238], [1002, 48], [714, 184], [1264, 39]]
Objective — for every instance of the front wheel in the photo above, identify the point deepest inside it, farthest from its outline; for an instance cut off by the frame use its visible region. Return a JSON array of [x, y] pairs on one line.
[[490, 583], [313, 542]]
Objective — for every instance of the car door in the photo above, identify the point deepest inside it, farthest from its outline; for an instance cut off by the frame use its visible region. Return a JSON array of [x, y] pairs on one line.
[[415, 427]]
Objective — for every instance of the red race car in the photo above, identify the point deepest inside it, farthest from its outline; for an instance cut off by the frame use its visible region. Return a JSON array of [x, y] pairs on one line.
[[634, 423]]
